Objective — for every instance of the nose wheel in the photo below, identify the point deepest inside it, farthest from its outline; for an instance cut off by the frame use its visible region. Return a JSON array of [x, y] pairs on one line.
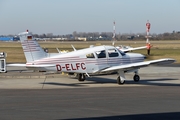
[[136, 78]]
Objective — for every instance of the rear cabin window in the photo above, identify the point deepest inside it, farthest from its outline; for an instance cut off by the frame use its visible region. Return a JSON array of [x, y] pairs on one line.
[[113, 53], [101, 54], [91, 55]]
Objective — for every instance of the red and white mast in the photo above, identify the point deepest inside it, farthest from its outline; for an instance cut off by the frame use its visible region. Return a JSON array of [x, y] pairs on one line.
[[148, 25], [114, 33]]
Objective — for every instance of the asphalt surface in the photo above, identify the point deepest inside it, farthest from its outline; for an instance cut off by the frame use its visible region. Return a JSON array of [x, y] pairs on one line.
[[33, 95]]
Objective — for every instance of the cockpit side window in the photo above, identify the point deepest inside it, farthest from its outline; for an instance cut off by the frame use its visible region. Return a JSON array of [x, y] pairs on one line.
[[113, 53], [101, 54], [90, 55]]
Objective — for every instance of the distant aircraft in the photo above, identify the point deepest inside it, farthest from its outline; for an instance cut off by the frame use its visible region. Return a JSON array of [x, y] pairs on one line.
[[84, 62]]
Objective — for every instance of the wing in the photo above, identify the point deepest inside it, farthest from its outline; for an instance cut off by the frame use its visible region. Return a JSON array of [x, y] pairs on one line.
[[140, 64], [131, 49]]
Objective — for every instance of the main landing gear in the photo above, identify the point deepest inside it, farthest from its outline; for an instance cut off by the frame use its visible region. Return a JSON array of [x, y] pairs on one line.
[[121, 78], [81, 77], [119, 81]]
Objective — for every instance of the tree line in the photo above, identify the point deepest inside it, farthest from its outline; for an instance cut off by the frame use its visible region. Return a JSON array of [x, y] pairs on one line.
[[108, 36]]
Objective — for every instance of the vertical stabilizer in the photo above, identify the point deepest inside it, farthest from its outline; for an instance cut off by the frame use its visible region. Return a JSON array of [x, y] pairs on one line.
[[31, 48]]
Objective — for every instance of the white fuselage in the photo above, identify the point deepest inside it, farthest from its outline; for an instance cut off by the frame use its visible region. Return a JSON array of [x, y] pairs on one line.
[[89, 60]]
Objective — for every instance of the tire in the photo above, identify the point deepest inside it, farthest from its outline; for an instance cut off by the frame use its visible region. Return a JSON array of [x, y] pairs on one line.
[[136, 78], [81, 77], [119, 81]]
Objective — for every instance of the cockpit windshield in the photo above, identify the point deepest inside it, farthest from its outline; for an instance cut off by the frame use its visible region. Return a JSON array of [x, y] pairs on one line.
[[121, 52]]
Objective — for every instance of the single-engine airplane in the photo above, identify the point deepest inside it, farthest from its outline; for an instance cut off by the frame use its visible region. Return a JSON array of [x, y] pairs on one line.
[[85, 62]]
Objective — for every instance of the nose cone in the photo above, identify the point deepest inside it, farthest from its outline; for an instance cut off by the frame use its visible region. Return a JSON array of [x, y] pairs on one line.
[[145, 57], [142, 56], [136, 57]]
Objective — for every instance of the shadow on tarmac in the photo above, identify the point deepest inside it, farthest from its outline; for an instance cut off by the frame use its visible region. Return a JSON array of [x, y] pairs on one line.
[[94, 80], [152, 116], [63, 84], [156, 82]]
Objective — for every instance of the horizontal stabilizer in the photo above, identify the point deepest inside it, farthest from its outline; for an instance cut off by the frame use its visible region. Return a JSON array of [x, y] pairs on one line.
[[37, 66], [16, 65], [25, 65]]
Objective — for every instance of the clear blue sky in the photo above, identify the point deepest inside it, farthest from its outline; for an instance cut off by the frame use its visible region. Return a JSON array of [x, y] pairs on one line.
[[65, 16]]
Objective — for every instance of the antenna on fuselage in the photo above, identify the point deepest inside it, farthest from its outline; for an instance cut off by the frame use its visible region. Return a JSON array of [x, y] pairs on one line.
[[58, 50], [73, 48]]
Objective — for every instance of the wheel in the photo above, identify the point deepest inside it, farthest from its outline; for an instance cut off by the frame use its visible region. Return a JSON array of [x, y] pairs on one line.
[[119, 81], [136, 78], [81, 77]]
